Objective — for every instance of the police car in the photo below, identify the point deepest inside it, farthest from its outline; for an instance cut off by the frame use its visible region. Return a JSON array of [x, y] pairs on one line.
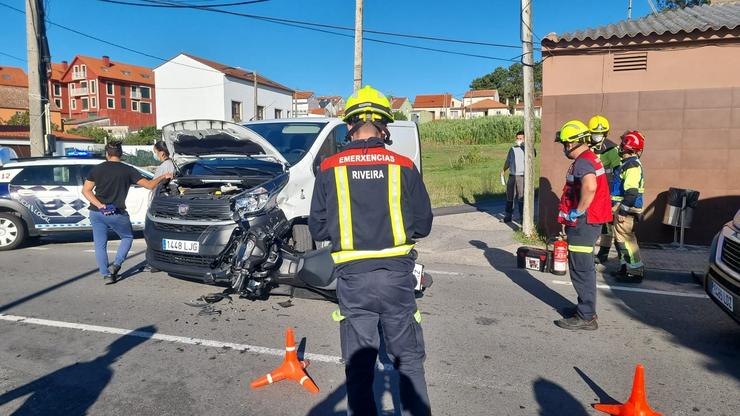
[[41, 196]]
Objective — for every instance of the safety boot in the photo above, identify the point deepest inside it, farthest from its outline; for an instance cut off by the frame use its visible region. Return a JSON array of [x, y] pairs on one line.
[[602, 257], [575, 323], [631, 276]]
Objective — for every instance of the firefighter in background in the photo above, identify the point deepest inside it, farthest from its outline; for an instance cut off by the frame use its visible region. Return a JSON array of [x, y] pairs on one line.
[[628, 186], [608, 153], [371, 203], [584, 208]]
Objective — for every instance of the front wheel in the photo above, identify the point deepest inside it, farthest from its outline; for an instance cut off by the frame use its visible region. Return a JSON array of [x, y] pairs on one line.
[[301, 238], [12, 232]]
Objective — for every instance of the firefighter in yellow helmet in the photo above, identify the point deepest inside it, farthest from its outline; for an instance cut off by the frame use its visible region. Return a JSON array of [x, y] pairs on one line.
[[371, 203], [608, 153], [584, 207]]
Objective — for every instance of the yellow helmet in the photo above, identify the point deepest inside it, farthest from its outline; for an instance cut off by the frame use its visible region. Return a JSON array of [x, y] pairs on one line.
[[573, 131], [598, 124], [368, 104]]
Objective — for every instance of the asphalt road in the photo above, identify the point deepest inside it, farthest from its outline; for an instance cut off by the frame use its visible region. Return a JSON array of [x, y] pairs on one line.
[[491, 344]]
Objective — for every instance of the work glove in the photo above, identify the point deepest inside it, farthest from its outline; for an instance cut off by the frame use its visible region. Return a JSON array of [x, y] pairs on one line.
[[574, 214], [108, 209]]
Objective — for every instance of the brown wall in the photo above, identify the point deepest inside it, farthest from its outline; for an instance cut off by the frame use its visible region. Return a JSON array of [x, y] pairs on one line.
[[692, 134]]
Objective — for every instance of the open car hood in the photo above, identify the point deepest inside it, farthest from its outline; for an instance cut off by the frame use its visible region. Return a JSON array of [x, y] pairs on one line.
[[197, 138]]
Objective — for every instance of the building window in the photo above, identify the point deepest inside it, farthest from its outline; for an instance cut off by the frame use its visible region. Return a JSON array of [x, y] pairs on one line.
[[260, 112], [145, 107], [85, 104], [123, 103], [57, 90], [73, 104], [278, 113], [93, 102], [146, 92], [110, 88], [134, 105], [58, 103], [83, 70], [236, 111], [135, 92], [123, 90], [111, 103], [83, 84], [93, 87]]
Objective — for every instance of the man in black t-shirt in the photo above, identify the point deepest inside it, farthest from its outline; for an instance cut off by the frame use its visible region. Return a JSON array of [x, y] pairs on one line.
[[106, 187]]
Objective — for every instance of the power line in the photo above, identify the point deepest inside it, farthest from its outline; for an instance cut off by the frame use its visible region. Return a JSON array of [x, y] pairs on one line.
[[313, 24], [183, 5], [13, 57]]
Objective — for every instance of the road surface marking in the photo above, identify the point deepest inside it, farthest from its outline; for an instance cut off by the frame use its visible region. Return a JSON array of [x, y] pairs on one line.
[[109, 251], [637, 289], [38, 248], [164, 337], [442, 272]]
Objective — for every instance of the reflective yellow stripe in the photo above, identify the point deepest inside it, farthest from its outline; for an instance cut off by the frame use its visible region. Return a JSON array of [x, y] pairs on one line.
[[417, 317], [345, 209], [337, 316], [580, 249], [349, 255], [394, 204]]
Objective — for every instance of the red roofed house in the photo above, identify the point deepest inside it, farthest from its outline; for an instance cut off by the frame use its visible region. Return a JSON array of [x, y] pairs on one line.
[[190, 87], [14, 95], [473, 96], [101, 88], [436, 106], [519, 107], [333, 104], [485, 108], [304, 102], [403, 105]]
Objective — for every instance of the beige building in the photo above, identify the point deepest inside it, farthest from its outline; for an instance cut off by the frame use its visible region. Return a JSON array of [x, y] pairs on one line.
[[403, 105], [519, 107], [435, 107], [474, 96], [486, 108], [671, 75]]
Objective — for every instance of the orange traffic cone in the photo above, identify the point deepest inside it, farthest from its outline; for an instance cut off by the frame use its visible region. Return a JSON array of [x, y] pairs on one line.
[[637, 404], [291, 368]]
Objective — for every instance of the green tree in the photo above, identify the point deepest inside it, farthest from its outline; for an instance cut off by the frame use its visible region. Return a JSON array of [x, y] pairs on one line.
[[97, 133], [20, 119], [399, 115], [680, 4], [508, 81], [146, 135]]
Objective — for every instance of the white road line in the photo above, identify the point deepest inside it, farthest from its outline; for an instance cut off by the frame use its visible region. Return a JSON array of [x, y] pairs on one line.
[[163, 337], [442, 272], [637, 289], [38, 248], [92, 251]]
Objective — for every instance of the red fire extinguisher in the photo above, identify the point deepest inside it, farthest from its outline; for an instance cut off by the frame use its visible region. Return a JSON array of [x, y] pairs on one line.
[[560, 256]]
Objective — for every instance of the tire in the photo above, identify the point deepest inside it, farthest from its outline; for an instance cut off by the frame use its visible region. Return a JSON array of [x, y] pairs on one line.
[[301, 238], [12, 231]]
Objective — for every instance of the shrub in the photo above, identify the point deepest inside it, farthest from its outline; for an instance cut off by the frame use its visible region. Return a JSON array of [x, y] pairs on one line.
[[483, 130]]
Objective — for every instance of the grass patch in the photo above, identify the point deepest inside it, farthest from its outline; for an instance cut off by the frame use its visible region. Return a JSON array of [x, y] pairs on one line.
[[463, 174], [479, 131], [537, 240]]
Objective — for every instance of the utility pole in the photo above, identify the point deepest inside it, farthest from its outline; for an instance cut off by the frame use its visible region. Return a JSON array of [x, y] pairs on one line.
[[254, 73], [629, 9], [37, 67], [358, 45], [528, 72]]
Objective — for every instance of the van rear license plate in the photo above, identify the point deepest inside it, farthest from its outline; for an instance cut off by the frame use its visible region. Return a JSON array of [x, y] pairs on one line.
[[183, 246], [722, 296]]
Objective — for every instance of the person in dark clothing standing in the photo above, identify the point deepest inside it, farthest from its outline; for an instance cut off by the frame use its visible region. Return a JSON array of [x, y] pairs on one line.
[[106, 187], [515, 184], [371, 203]]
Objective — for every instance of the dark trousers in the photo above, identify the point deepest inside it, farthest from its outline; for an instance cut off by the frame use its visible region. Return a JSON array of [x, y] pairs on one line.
[[515, 193], [387, 298], [581, 241]]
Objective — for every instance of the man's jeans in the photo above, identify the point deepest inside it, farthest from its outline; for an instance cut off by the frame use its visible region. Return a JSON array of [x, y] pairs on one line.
[[121, 225]]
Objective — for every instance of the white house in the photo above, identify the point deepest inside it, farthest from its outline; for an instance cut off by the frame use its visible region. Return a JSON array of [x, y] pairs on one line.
[[474, 96], [436, 106], [304, 102], [485, 108], [519, 107], [189, 87]]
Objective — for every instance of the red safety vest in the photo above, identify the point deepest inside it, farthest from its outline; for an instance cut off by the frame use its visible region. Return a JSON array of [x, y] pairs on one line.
[[600, 210]]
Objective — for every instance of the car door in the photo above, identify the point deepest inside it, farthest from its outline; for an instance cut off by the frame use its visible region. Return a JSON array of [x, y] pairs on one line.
[[52, 194]]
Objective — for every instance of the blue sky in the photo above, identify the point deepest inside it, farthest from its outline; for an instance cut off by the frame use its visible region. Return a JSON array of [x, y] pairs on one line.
[[305, 59]]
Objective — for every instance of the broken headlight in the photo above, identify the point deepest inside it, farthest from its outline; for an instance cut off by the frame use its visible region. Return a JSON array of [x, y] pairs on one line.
[[258, 199]]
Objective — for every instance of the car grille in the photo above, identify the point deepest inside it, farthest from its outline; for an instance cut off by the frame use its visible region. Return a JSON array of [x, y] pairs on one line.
[[731, 254], [179, 228], [209, 210], [732, 287], [183, 259]]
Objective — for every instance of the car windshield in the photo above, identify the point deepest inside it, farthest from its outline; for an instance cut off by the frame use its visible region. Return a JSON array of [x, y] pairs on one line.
[[234, 166], [292, 140]]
